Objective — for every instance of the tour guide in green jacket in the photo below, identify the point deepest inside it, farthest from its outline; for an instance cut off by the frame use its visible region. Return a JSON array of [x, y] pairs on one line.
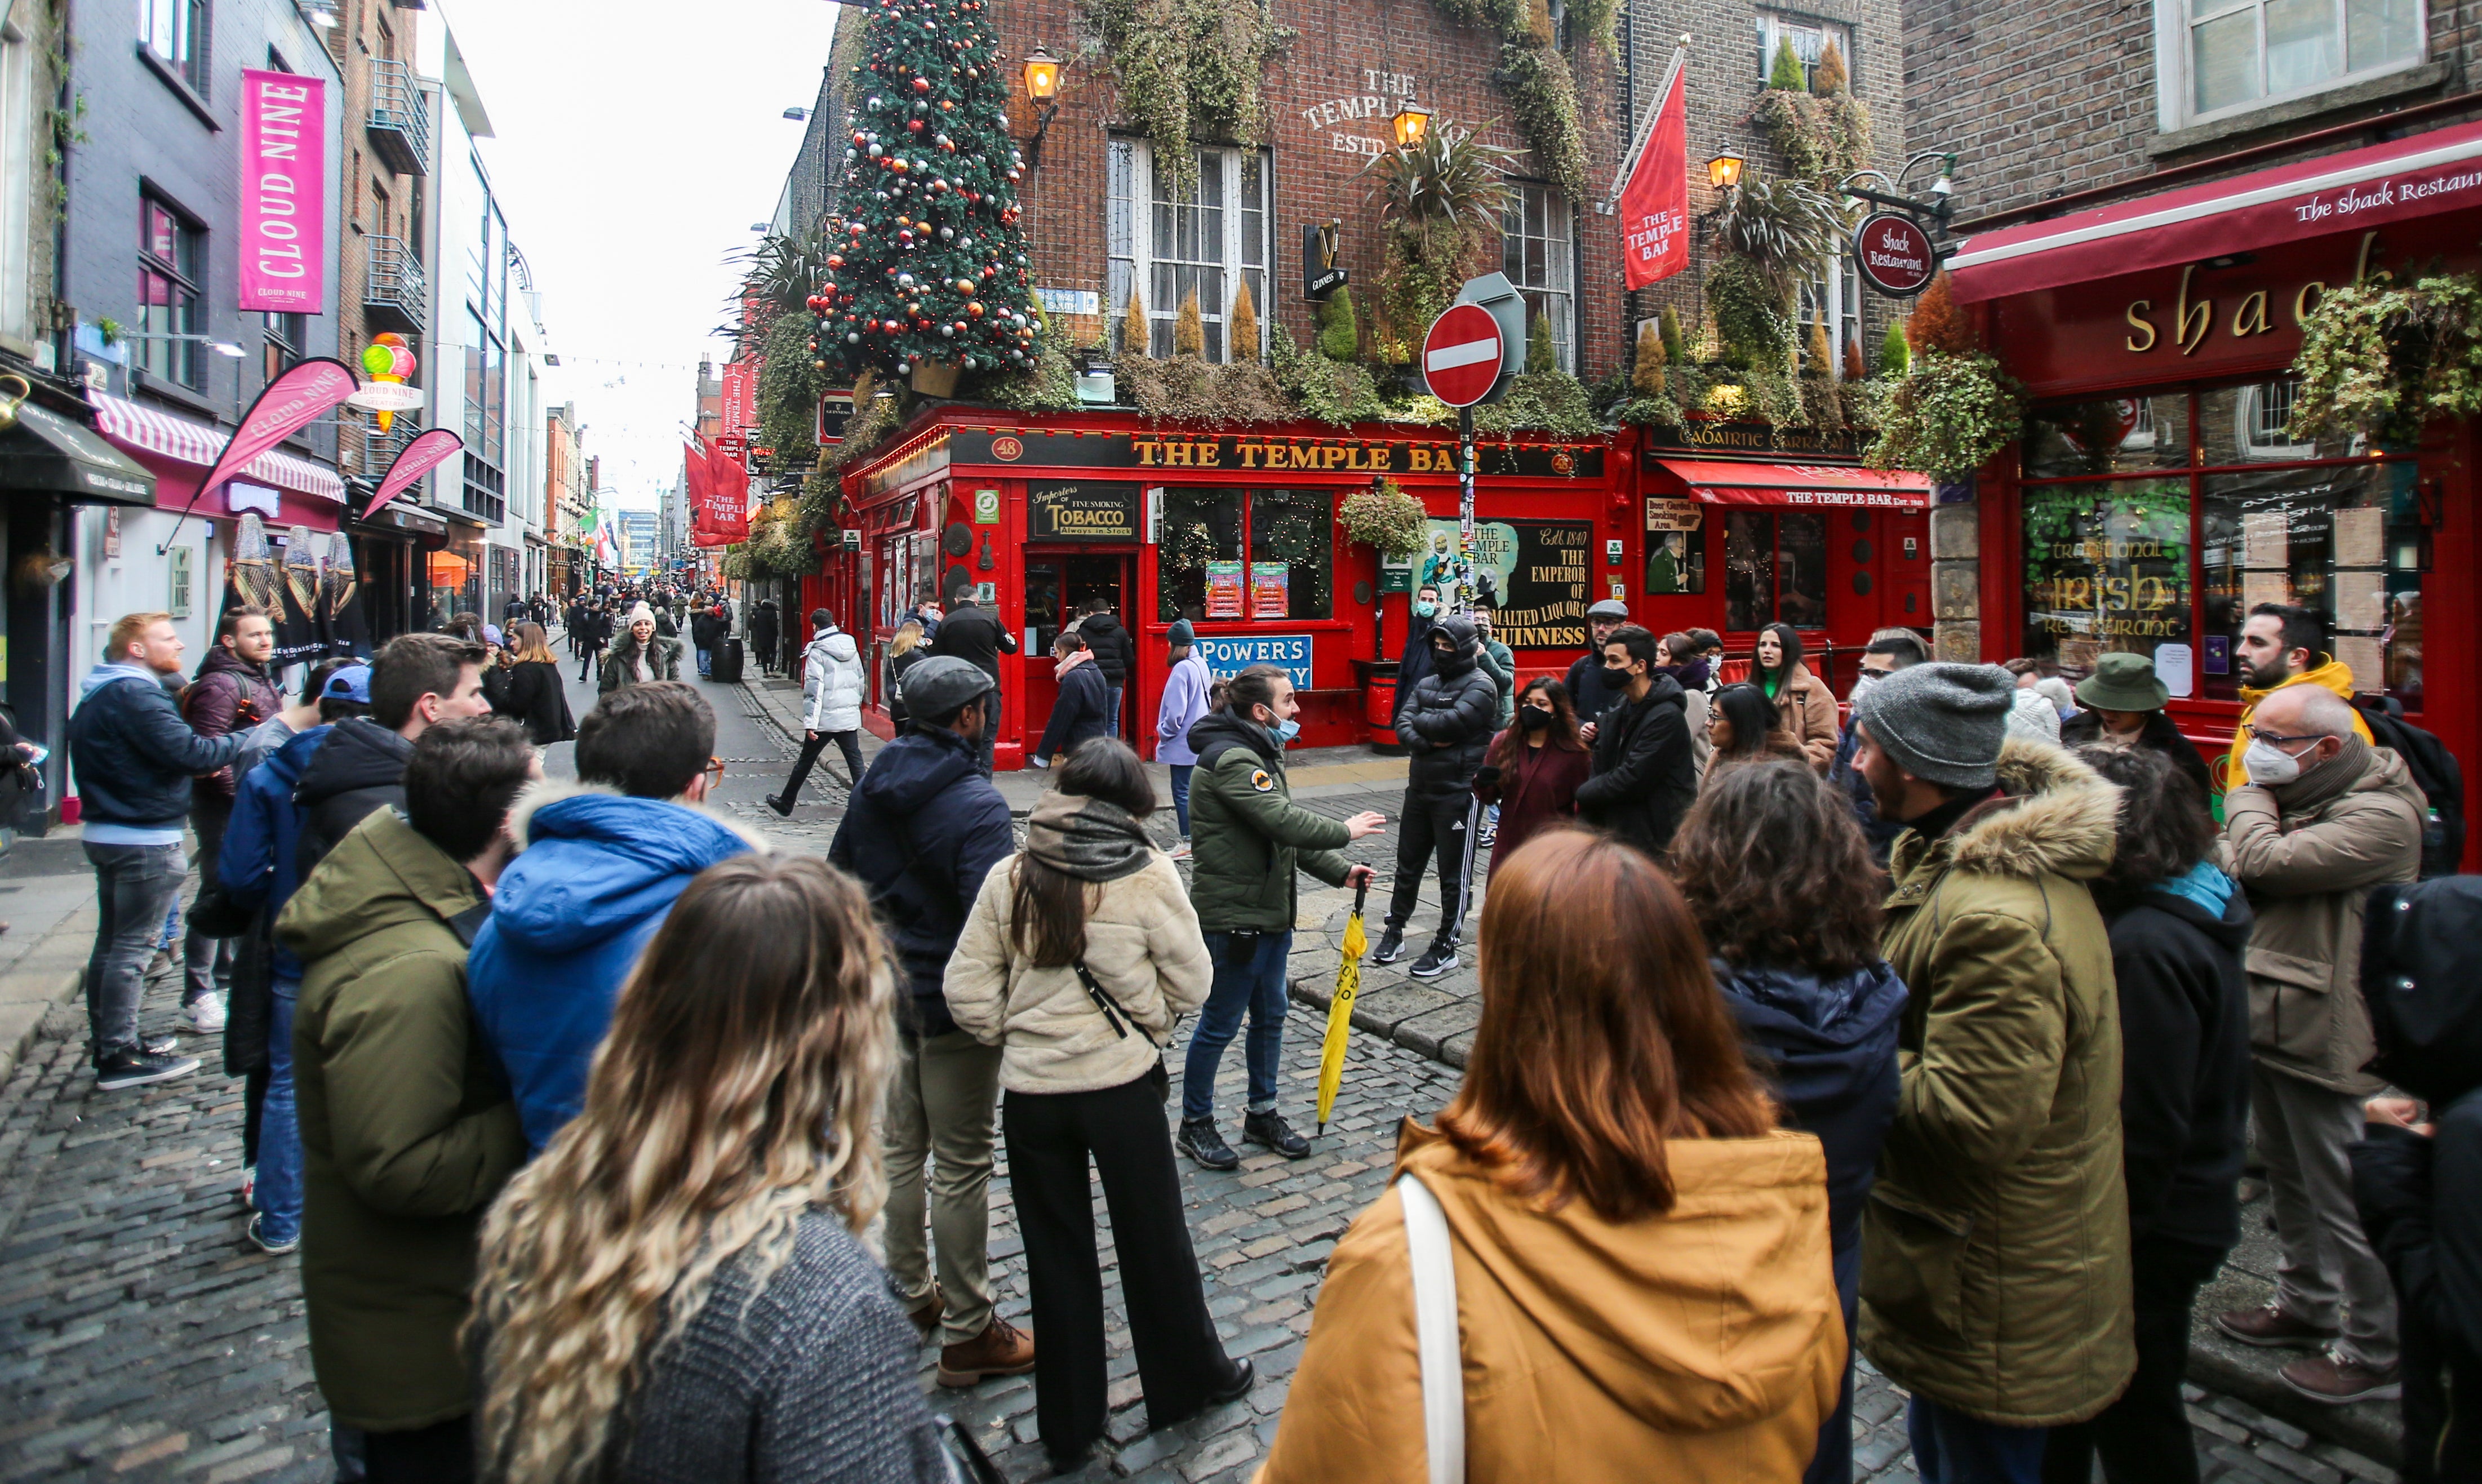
[[1995, 1247], [406, 1128], [1247, 836]]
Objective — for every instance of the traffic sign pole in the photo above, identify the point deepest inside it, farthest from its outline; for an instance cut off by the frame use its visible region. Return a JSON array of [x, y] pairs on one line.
[[1464, 507]]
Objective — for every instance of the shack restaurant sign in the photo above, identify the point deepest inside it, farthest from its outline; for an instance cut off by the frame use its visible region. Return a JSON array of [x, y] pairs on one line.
[[1242, 454], [1894, 255]]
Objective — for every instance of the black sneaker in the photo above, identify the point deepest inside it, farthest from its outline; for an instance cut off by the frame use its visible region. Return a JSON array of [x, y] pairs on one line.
[[1437, 960], [137, 1068], [1391, 948], [783, 807], [1201, 1142], [1271, 1132]]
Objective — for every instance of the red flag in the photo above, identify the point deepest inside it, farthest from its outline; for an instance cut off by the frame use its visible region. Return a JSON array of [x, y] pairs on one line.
[[719, 494], [1654, 206]]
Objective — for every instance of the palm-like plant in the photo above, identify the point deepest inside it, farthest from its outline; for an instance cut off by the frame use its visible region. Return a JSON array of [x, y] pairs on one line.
[[1781, 227], [1439, 199]]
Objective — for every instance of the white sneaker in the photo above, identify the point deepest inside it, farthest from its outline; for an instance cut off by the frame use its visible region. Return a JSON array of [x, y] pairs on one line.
[[206, 1015], [1180, 851]]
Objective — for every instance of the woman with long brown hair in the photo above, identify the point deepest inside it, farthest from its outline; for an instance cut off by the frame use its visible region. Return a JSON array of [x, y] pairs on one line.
[[677, 1290], [1778, 872], [535, 695], [1744, 728], [1807, 706], [1641, 1287], [1534, 767]]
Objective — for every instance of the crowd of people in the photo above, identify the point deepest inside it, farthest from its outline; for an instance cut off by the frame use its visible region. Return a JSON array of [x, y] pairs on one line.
[[1912, 1033]]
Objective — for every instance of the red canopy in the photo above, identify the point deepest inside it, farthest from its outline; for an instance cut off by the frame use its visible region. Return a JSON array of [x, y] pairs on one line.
[[1722, 481], [2357, 189]]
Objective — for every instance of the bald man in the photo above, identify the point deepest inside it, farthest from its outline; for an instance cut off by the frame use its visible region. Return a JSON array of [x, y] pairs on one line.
[[2324, 817]]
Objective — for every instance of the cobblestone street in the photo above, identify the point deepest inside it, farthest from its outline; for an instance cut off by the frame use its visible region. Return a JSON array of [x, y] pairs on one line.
[[142, 1339]]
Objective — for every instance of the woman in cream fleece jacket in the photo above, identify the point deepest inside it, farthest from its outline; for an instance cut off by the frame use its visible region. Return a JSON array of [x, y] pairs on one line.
[[1078, 956]]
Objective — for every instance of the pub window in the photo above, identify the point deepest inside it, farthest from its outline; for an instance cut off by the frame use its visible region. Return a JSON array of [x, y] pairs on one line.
[[171, 263], [2113, 435], [1808, 38], [2230, 56], [1538, 254], [2344, 539], [1168, 240], [2107, 570], [1775, 568], [1202, 574]]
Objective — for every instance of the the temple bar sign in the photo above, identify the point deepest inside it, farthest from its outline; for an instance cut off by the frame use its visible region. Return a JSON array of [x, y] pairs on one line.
[[1249, 455]]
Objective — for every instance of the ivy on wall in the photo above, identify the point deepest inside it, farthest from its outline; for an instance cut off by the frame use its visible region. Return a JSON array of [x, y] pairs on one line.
[[1184, 67], [1540, 85]]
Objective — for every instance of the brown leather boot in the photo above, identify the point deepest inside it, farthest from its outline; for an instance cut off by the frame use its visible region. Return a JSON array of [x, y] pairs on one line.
[[926, 1318], [1001, 1349]]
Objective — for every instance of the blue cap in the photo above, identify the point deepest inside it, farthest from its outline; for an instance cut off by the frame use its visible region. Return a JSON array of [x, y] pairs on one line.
[[350, 683], [491, 636]]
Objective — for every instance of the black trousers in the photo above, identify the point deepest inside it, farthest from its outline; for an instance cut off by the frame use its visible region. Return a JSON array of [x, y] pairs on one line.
[[1181, 1360], [847, 742], [1440, 827], [2143, 1437], [443, 1453]]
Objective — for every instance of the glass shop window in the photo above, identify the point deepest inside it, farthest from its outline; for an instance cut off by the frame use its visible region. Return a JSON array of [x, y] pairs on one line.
[[2108, 569], [2114, 436], [1775, 568], [2344, 539], [1230, 555]]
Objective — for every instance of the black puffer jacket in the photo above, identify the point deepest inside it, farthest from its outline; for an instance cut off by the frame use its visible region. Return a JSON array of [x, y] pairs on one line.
[[1646, 775], [1447, 719], [360, 768], [1116, 653]]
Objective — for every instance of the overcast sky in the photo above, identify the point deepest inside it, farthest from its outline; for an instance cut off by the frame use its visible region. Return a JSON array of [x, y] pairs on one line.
[[635, 143]]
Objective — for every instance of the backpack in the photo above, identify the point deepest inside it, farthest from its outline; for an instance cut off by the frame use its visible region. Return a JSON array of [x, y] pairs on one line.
[[2435, 771]]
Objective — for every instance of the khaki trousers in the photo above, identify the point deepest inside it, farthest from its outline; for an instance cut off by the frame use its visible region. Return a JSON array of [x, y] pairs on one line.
[[2302, 1131], [943, 1109]]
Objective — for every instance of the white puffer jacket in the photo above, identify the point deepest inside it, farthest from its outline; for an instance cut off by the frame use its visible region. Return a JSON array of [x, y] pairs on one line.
[[832, 683], [1142, 945]]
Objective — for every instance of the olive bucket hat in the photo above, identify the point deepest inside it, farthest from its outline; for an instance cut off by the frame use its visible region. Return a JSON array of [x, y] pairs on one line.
[[2123, 682]]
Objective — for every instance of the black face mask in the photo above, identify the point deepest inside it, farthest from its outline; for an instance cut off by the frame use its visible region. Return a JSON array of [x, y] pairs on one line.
[[1533, 718]]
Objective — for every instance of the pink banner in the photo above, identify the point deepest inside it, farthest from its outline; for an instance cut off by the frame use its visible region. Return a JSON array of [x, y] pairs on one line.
[[428, 451], [284, 192], [285, 407]]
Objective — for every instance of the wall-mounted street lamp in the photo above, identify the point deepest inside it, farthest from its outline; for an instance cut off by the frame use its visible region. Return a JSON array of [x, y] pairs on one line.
[[1724, 172], [1411, 124], [1041, 86]]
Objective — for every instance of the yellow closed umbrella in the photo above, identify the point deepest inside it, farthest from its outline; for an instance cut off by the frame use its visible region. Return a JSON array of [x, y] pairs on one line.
[[1339, 1010]]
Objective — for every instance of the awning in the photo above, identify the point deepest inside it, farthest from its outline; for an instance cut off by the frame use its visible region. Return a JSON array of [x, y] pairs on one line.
[[46, 451], [1722, 481], [148, 429], [2355, 190]]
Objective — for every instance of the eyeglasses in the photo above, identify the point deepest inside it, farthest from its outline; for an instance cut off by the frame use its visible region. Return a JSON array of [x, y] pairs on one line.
[[714, 773], [2260, 734]]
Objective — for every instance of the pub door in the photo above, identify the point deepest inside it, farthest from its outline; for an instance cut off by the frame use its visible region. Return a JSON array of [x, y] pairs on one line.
[[1057, 585]]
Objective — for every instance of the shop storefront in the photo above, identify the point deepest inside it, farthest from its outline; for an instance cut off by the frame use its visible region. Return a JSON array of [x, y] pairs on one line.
[[1234, 531], [2158, 495]]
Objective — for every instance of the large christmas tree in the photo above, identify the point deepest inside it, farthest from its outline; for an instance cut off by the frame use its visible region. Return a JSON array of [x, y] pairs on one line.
[[931, 267]]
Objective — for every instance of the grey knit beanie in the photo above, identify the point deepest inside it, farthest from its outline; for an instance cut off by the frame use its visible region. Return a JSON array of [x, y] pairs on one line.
[[1942, 723]]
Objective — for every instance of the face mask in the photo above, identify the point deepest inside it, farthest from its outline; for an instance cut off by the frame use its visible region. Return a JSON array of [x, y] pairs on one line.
[[1862, 685], [1287, 730], [1425, 610], [1533, 718], [2269, 766]]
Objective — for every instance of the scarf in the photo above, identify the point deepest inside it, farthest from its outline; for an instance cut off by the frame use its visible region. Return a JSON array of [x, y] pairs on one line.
[[2204, 885], [1075, 659], [2324, 780], [1091, 839], [1691, 674]]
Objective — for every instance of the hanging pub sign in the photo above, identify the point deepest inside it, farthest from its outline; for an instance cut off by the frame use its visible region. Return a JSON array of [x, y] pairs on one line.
[[1270, 453], [1894, 255], [1320, 274], [1064, 509]]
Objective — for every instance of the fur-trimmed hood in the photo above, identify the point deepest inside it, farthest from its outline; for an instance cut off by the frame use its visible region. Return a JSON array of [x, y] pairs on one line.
[[2056, 815]]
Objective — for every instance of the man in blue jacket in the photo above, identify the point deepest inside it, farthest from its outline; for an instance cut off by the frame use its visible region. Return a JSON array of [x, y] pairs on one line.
[[134, 758], [603, 861], [924, 828]]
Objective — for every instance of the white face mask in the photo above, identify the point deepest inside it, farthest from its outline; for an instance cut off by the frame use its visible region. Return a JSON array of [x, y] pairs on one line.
[[1862, 685], [2269, 766]]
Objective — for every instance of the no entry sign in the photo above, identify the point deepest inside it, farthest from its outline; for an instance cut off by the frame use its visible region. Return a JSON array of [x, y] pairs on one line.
[[1894, 255], [1462, 355]]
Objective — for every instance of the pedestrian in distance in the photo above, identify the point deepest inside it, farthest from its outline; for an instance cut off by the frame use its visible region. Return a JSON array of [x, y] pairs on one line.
[[1646, 772], [763, 638], [1889, 650], [1249, 839], [407, 1129], [535, 695], [135, 757], [1776, 874], [1115, 655], [2179, 927], [233, 691], [1675, 654], [2123, 702], [1631, 1263], [1083, 707], [416, 683], [1187, 685], [904, 650], [975, 635], [1497, 661], [706, 632], [642, 656], [920, 832], [495, 668], [832, 687], [1533, 769], [731, 1327], [594, 632], [1446, 722], [603, 861], [1744, 728], [1077, 959], [1591, 691], [2324, 818], [1805, 705], [1995, 1247]]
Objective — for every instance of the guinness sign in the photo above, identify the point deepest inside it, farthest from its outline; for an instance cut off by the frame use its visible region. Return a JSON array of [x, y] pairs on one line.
[[1320, 275]]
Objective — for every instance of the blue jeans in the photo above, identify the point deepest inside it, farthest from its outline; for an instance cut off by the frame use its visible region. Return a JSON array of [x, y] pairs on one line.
[[1252, 983], [706, 661], [1181, 772], [279, 1129], [1950, 1447]]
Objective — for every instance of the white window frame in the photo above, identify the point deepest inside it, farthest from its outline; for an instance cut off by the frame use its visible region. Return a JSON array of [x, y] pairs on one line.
[[2176, 85], [1555, 298], [17, 181], [1129, 231], [1836, 290], [2264, 409], [1809, 36]]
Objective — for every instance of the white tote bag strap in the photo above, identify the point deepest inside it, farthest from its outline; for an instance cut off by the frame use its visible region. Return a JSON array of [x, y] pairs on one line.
[[1435, 1330]]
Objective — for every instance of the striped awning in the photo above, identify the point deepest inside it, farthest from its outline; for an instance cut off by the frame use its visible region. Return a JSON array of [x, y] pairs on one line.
[[143, 428]]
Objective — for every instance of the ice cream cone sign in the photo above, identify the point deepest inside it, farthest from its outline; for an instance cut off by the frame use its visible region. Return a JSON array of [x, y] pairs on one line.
[[389, 360]]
